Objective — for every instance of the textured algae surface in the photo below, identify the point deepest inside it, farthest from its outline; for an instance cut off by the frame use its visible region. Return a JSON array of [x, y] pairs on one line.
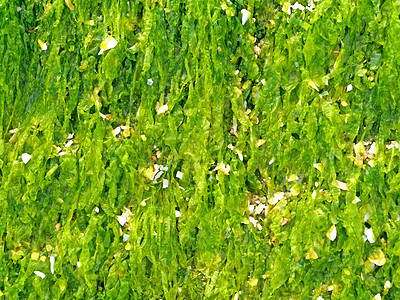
[[199, 149]]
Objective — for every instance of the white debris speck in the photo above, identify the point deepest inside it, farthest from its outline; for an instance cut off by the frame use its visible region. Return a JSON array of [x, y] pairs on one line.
[[179, 174], [117, 131], [314, 193], [70, 136], [316, 184], [179, 289], [253, 221], [44, 47], [297, 5], [271, 161], [52, 261], [245, 15], [377, 297], [388, 285], [251, 208], [107, 44], [341, 185], [177, 213], [240, 155], [331, 288], [124, 217], [150, 82], [230, 147], [69, 144], [125, 237], [182, 188], [369, 234], [237, 72], [263, 81], [133, 47], [313, 85], [320, 298], [96, 209], [349, 88], [225, 169], [278, 197], [157, 175], [62, 153], [332, 232], [143, 203], [26, 157], [260, 142], [165, 183], [372, 149], [366, 217], [78, 264], [356, 200], [259, 227], [40, 274], [162, 109], [259, 209], [371, 163]]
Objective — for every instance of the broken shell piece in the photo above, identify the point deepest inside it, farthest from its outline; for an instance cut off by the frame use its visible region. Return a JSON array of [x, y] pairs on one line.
[[177, 213], [377, 257], [245, 15], [331, 234], [150, 82], [107, 44], [349, 88], [52, 261], [162, 109], [179, 174], [69, 144], [165, 183], [40, 274], [26, 158], [369, 234], [341, 185]]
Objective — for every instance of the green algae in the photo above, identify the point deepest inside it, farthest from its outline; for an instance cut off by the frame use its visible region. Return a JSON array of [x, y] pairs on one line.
[[275, 125]]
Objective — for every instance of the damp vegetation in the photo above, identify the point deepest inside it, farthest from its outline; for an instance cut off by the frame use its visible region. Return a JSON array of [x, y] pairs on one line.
[[199, 149]]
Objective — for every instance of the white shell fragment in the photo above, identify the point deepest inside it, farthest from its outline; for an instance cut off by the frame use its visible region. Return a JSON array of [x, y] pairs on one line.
[[78, 264], [124, 217], [278, 197], [332, 232], [26, 157], [52, 261], [40, 274], [179, 174], [377, 297], [69, 144], [356, 200], [245, 15], [96, 209], [341, 185], [107, 44], [388, 285], [162, 109], [369, 235], [349, 88], [125, 237], [70, 136], [297, 5], [150, 82], [44, 47], [177, 213], [62, 153], [165, 183], [117, 131]]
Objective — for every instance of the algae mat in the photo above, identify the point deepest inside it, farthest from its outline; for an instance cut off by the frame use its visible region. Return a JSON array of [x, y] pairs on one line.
[[199, 149]]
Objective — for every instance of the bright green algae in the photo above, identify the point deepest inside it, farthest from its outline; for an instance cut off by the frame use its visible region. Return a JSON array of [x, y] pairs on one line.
[[282, 112]]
